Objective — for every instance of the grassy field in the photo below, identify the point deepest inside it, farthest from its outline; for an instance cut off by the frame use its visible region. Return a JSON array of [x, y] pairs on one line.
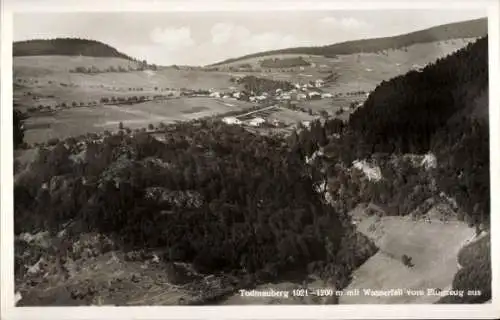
[[332, 105], [432, 246], [290, 117], [358, 71], [36, 66], [46, 81], [52, 71], [77, 121]]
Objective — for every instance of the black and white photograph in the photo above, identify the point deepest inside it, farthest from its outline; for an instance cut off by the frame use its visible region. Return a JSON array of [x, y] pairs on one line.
[[248, 158]]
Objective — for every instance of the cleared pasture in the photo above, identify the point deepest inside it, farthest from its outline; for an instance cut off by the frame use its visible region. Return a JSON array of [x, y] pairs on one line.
[[433, 247], [43, 65], [290, 117], [361, 71], [56, 70], [331, 105], [77, 121]]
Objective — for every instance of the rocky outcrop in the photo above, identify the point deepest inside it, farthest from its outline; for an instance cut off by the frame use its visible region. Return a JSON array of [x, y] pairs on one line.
[[177, 198]]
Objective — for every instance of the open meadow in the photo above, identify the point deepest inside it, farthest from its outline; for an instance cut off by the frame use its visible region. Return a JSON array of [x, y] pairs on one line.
[[362, 71], [77, 121], [48, 81], [433, 246]]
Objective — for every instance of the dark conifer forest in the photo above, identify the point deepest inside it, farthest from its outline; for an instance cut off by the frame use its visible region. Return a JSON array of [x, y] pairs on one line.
[[432, 111], [418, 113], [66, 47], [18, 130], [214, 195]]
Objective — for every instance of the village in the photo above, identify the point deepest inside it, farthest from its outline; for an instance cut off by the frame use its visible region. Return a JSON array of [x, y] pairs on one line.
[[298, 99]]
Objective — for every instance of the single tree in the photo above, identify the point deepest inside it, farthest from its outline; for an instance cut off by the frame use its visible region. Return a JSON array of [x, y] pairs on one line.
[[18, 128]]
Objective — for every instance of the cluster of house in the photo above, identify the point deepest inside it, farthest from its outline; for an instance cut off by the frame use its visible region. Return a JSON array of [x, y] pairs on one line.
[[254, 122], [306, 91]]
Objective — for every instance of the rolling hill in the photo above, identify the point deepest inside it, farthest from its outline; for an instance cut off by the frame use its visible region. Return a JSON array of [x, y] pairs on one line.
[[458, 30], [440, 110], [66, 47]]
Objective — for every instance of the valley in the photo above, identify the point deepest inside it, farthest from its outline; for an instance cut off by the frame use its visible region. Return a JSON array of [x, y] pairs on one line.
[[138, 184]]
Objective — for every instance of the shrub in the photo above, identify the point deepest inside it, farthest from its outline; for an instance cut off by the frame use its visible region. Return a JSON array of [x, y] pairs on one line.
[[53, 141], [18, 128], [407, 261]]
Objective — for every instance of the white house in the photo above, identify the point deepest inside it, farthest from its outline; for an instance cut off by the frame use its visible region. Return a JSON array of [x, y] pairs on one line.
[[261, 98], [252, 99], [276, 122], [319, 83], [215, 95], [326, 95], [231, 120], [237, 95], [301, 96], [255, 122], [313, 94], [226, 97]]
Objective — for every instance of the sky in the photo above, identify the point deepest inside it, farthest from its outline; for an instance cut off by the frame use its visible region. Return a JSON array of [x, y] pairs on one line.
[[201, 38]]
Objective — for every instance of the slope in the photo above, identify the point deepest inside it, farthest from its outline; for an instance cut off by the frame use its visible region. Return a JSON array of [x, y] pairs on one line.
[[66, 47], [457, 30], [440, 111]]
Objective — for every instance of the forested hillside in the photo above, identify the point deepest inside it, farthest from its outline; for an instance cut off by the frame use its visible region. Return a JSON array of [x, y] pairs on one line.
[[466, 29], [212, 195], [403, 114], [66, 47], [416, 113], [419, 113]]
